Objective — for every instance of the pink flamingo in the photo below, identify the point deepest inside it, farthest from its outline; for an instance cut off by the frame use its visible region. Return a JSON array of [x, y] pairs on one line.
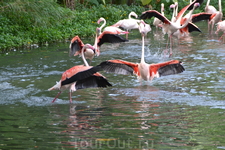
[[215, 17], [221, 27], [113, 29], [142, 70], [76, 44], [128, 24], [80, 77], [171, 27]]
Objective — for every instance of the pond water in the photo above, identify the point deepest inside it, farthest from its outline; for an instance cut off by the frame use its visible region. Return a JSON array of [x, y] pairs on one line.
[[183, 111]]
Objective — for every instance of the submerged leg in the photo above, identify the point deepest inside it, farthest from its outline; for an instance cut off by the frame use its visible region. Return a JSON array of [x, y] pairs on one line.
[[70, 93], [221, 36], [171, 46], [56, 96]]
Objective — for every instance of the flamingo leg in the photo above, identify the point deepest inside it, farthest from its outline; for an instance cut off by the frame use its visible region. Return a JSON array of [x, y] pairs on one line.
[[212, 25], [221, 36], [168, 40], [70, 95], [171, 45], [208, 27], [56, 96], [127, 35]]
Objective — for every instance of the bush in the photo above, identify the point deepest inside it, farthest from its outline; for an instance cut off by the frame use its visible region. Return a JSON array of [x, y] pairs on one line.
[[23, 23]]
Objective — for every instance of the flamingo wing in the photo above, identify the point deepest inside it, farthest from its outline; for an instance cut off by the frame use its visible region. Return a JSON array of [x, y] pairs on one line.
[[200, 16], [166, 68], [92, 82], [188, 7], [109, 37], [119, 67], [73, 75], [75, 46], [171, 69], [192, 27], [153, 13]]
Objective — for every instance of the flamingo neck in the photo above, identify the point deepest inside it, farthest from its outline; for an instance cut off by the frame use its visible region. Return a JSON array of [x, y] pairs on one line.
[[220, 7], [132, 14], [104, 23], [176, 10], [207, 4], [188, 19], [162, 10], [82, 55], [96, 40], [173, 15], [143, 49], [129, 16]]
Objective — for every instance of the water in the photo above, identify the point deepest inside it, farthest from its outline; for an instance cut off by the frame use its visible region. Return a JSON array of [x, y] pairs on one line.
[[183, 111]]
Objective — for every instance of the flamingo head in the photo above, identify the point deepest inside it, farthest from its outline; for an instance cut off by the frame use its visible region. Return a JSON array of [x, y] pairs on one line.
[[133, 14], [162, 7], [89, 46], [144, 28], [196, 5], [57, 86], [172, 6], [100, 20]]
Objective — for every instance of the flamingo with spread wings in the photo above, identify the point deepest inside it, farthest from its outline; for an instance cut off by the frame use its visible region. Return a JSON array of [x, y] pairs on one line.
[[76, 44], [80, 77], [142, 70]]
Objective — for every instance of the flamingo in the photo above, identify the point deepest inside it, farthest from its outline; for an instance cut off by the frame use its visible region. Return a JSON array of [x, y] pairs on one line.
[[113, 29], [128, 24], [221, 27], [142, 70], [209, 8], [156, 21], [171, 27], [80, 77], [76, 44], [215, 17]]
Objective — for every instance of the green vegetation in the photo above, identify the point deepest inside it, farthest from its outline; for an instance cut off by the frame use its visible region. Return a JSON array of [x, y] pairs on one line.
[[28, 22], [23, 23]]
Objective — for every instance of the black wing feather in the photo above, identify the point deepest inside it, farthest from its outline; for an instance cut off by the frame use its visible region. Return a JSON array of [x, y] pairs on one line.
[[201, 17], [92, 82], [192, 27], [111, 38], [153, 13], [118, 68], [81, 75], [171, 69]]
